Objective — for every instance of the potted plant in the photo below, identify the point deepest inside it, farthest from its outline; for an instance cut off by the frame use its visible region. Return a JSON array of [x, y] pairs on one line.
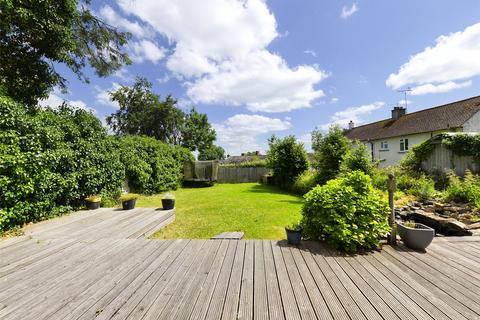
[[93, 202], [414, 235], [128, 201], [294, 234], [168, 201]]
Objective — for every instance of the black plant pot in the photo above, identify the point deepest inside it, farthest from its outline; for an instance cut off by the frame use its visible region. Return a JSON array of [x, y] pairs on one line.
[[129, 204], [294, 237], [168, 204], [92, 205]]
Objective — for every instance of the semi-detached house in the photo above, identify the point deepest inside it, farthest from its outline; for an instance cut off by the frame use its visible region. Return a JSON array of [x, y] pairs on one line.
[[388, 140]]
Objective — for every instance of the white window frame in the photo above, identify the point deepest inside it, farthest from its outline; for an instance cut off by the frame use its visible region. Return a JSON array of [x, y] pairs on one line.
[[384, 145], [404, 145]]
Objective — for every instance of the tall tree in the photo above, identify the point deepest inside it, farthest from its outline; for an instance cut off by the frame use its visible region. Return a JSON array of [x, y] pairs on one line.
[[197, 133], [37, 35], [143, 112], [287, 158], [212, 153], [330, 150]]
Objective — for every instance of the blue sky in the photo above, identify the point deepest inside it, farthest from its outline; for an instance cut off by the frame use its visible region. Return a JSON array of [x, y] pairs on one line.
[[285, 67]]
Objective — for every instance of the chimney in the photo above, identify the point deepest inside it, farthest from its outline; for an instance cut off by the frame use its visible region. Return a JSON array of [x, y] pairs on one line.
[[397, 112], [351, 125]]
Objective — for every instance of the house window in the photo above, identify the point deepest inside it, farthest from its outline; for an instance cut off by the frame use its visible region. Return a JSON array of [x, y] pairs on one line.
[[403, 144], [384, 145]]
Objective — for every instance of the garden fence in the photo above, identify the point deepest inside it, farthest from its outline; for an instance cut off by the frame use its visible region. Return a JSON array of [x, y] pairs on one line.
[[442, 159], [240, 174]]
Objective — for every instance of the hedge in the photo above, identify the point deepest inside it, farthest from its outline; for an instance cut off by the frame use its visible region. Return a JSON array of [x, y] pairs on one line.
[[51, 159], [152, 166]]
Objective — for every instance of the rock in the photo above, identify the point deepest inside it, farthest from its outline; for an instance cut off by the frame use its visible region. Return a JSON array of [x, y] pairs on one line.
[[427, 202], [445, 226], [473, 226]]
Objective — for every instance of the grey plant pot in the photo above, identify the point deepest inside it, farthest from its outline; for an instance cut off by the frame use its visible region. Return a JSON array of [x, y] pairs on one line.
[[417, 238], [294, 237]]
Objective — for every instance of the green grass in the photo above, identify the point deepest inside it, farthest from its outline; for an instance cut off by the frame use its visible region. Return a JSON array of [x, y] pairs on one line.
[[260, 211]]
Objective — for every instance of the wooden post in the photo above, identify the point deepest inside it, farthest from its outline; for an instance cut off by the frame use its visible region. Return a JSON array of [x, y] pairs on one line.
[[392, 186]]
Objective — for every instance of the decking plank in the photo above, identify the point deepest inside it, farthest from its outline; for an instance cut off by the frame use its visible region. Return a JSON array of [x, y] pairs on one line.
[[275, 308], [202, 303], [334, 304], [316, 298], [123, 304], [290, 307], [347, 301], [395, 299], [232, 298], [436, 307], [246, 303], [457, 302], [216, 303]]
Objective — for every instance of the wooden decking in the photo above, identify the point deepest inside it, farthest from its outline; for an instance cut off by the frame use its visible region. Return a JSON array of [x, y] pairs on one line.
[[97, 274]]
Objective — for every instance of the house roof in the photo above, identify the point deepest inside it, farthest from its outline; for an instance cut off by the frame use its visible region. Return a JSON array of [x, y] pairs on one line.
[[444, 117]]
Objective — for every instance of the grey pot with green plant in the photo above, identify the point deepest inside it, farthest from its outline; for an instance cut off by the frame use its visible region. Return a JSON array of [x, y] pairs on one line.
[[294, 234], [93, 202], [414, 235]]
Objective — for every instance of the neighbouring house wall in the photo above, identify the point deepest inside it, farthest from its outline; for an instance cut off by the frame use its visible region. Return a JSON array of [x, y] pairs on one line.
[[393, 155], [472, 124]]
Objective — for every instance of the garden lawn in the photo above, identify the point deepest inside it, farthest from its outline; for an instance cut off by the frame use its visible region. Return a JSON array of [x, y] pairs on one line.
[[260, 211]]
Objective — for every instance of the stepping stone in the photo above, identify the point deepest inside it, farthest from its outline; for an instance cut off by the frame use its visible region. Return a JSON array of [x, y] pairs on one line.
[[229, 235]]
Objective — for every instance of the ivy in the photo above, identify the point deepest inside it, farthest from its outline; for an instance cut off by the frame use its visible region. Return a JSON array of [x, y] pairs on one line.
[[460, 144]]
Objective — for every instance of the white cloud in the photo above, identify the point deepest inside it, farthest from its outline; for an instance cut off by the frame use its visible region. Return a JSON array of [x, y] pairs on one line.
[[239, 133], [55, 100], [220, 50], [306, 139], [146, 50], [114, 19], [454, 57], [103, 95], [348, 12], [334, 100], [342, 118], [262, 81], [439, 88], [310, 52]]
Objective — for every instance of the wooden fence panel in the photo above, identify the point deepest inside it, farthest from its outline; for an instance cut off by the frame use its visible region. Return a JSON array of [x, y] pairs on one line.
[[240, 174], [443, 159]]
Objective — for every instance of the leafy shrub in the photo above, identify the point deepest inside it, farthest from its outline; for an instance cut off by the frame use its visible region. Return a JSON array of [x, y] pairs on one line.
[[380, 177], [305, 182], [412, 161], [466, 191], [347, 212], [330, 150], [418, 185], [287, 158], [357, 158], [152, 166], [50, 160]]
